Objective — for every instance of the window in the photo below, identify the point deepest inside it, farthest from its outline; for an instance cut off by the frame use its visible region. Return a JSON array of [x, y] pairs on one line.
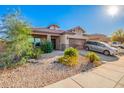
[[37, 42], [94, 43], [91, 42], [99, 44]]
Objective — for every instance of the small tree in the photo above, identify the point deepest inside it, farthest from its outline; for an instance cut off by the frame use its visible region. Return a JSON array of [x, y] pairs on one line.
[[17, 33], [118, 36]]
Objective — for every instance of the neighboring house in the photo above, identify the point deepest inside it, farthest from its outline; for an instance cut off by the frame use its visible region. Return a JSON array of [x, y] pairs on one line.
[[61, 39], [99, 37]]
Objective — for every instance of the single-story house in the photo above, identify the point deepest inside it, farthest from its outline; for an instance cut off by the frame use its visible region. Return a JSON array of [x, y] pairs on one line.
[[61, 39]]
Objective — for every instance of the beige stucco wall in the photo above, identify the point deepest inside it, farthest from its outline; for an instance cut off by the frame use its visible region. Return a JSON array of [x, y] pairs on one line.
[[63, 42], [63, 39]]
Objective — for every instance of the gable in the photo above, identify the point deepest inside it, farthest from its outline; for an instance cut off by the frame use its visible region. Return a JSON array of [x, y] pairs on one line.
[[77, 30]]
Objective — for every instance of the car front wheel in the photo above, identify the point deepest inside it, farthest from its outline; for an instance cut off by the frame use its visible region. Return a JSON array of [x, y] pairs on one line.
[[106, 52]]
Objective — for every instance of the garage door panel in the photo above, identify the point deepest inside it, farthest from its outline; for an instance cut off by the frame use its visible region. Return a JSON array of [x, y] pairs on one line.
[[76, 43]]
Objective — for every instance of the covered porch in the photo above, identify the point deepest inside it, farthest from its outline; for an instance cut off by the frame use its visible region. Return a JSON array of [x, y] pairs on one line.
[[55, 39]]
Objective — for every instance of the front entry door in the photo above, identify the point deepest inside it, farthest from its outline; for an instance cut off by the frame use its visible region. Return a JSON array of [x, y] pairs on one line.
[[54, 43]]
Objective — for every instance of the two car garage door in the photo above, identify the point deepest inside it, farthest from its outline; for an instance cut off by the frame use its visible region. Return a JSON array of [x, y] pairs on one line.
[[77, 43]]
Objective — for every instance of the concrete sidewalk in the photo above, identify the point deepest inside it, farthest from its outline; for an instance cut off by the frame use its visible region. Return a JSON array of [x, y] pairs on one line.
[[109, 75]]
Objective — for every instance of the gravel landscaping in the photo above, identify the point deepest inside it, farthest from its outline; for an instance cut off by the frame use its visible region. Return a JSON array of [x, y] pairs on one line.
[[44, 72]]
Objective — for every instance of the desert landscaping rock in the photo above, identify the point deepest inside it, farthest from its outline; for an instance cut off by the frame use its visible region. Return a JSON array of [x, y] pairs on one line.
[[33, 61], [40, 74]]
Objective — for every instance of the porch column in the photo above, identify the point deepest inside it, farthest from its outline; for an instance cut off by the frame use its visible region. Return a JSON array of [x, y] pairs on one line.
[[49, 37]]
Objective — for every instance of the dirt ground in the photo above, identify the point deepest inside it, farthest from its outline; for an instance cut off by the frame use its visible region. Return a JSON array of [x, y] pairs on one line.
[[45, 72]]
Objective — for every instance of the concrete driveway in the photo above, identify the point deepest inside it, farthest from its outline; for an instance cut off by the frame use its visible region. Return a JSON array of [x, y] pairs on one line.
[[103, 57]]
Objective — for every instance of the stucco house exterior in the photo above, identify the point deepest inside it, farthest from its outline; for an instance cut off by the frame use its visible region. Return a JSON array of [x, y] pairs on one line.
[[61, 39]]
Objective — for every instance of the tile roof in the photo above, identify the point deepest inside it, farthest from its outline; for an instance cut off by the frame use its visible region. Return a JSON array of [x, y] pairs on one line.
[[47, 30], [44, 30]]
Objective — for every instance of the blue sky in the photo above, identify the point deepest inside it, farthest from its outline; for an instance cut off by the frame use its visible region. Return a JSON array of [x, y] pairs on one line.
[[93, 19]]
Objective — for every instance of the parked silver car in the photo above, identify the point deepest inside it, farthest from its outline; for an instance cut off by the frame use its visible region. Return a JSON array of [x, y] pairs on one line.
[[101, 47], [117, 45]]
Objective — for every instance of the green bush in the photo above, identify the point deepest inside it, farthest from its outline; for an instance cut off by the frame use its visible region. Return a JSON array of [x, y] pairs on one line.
[[11, 61], [70, 57], [47, 46], [68, 60], [35, 53], [93, 58], [71, 52]]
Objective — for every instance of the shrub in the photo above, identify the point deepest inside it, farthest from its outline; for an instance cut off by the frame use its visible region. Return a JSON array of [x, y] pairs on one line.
[[14, 65], [35, 53], [47, 47], [71, 52], [70, 57], [68, 60], [93, 58], [2, 46]]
